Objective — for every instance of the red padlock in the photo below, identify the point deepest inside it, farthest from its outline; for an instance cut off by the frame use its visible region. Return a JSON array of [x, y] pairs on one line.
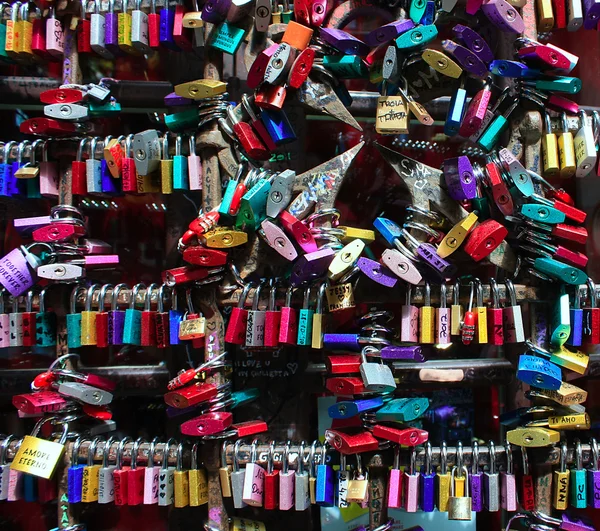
[[62, 95], [570, 232], [58, 233], [236, 328], [39, 402], [301, 68], [205, 257], [288, 322], [494, 317], [204, 223], [181, 34], [484, 238], [271, 97], [38, 39], [272, 321], [102, 340], [84, 29], [148, 323], [191, 395], [271, 485], [256, 74], [47, 127], [120, 473], [208, 424], [299, 231], [184, 275], [349, 443], [250, 142], [345, 385], [500, 192], [343, 364], [250, 427], [135, 477], [28, 326], [403, 436]]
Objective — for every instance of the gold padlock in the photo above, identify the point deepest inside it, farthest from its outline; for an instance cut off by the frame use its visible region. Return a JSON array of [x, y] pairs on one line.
[[124, 23], [566, 150], [443, 480], [192, 328], [113, 155], [345, 259], [358, 485], [567, 395], [340, 297], [200, 89], [25, 34], [318, 320], [91, 474], [545, 18], [13, 28], [441, 63], [181, 483], [193, 19], [29, 170], [88, 318], [391, 117], [550, 149], [224, 238], [577, 421], [459, 507], [427, 318], [243, 524], [560, 480], [40, 457], [532, 437], [456, 235], [481, 311], [225, 473], [456, 311], [574, 361], [352, 233], [198, 480]]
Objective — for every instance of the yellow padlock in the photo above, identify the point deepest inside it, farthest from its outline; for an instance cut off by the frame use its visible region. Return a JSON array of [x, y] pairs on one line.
[[566, 150], [345, 259], [391, 117], [560, 480], [576, 421], [193, 19], [481, 311], [25, 34], [200, 89], [14, 30], [567, 395], [443, 479], [441, 63], [124, 23], [91, 475], [545, 18], [427, 318], [166, 167], [532, 437], [318, 317], [456, 235], [352, 233], [88, 318], [550, 149], [198, 480], [224, 238], [181, 483], [574, 361], [456, 311]]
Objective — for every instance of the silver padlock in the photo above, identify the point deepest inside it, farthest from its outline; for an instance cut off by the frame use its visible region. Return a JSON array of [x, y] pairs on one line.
[[98, 93], [377, 377], [139, 28], [146, 151], [66, 111], [255, 327], [279, 64], [60, 272], [491, 482], [98, 31], [93, 169], [459, 507], [15, 324], [237, 478], [301, 486], [85, 393], [280, 193]]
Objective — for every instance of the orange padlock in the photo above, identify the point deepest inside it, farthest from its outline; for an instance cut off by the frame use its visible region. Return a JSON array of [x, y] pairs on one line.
[[297, 35]]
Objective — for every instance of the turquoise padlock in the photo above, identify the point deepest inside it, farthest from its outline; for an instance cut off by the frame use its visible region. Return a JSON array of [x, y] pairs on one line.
[[45, 325], [570, 85], [417, 10], [560, 321], [226, 201], [74, 319], [253, 207], [542, 213], [346, 66], [417, 37], [402, 409], [181, 180], [563, 272], [132, 330], [490, 136], [111, 108], [30, 493], [578, 480], [182, 121], [305, 321], [239, 398], [227, 38]]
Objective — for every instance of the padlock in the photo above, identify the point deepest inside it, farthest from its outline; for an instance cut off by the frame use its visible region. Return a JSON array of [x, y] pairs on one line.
[[280, 193], [456, 110], [539, 372], [181, 484], [593, 484], [575, 338], [90, 478], [198, 480], [227, 38], [426, 318], [166, 477], [15, 319], [566, 150], [193, 325], [459, 507], [481, 311], [305, 320], [443, 480], [469, 321], [460, 178], [271, 484], [120, 483], [248, 138], [146, 150], [519, 175], [469, 61], [132, 329], [561, 481], [236, 327], [288, 327], [237, 478], [377, 377], [500, 193], [514, 331], [491, 482], [351, 443], [392, 114], [151, 472], [105, 475]]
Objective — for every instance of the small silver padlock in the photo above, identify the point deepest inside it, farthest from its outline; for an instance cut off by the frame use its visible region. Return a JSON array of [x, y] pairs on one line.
[[146, 151], [459, 507], [85, 393], [139, 28], [98, 32], [377, 377], [66, 111]]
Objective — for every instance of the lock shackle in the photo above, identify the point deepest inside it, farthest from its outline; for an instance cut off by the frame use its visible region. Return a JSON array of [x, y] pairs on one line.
[[595, 453], [92, 450], [413, 461], [495, 292], [426, 229], [73, 299], [479, 292], [94, 146], [592, 292], [300, 464], [471, 295], [563, 455], [444, 458], [134, 293], [578, 455], [271, 457], [428, 458], [120, 450], [565, 122], [129, 146], [289, 293], [166, 449], [102, 295], [134, 452], [312, 458], [21, 149], [114, 305], [8, 146], [89, 297], [244, 295], [285, 460], [321, 298], [106, 451], [427, 294], [35, 145], [151, 452], [160, 300], [547, 123], [273, 297], [178, 142], [474, 458], [510, 468], [194, 456], [408, 294], [4, 446], [224, 454], [75, 449], [29, 301], [443, 294], [306, 298], [148, 296], [257, 291], [14, 303], [511, 294], [2, 294], [492, 456], [24, 11], [254, 451], [456, 293], [459, 457], [466, 476], [359, 468], [236, 459]]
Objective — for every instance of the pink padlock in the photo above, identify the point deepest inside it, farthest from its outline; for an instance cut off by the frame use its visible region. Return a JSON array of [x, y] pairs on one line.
[[55, 37], [208, 424], [286, 482], [4, 325], [98, 260], [48, 171], [395, 482], [277, 240], [194, 166], [15, 485], [254, 480], [25, 226], [401, 266], [409, 324]]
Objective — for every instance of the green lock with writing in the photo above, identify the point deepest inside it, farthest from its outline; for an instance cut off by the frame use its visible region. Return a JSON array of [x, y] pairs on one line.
[[227, 38]]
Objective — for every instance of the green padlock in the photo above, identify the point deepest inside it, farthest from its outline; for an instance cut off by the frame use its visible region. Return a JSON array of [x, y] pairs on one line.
[[346, 66], [417, 36], [181, 179], [490, 136], [305, 321], [542, 213], [111, 108], [253, 207], [74, 319], [482, 205], [578, 480], [132, 329], [417, 10], [563, 272], [560, 320], [227, 38], [182, 121], [402, 409], [570, 85]]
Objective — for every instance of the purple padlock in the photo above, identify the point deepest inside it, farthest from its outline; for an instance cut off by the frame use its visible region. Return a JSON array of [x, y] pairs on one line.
[[591, 8], [474, 42], [504, 16], [15, 273], [109, 183], [428, 253], [388, 32], [466, 58], [215, 11], [342, 342], [377, 272], [311, 265], [111, 32], [575, 522], [174, 100], [99, 260], [25, 226], [460, 178], [344, 42], [399, 352], [116, 324], [476, 491]]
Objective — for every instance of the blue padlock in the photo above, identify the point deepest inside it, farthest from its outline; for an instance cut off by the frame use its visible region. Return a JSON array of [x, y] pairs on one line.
[[132, 330], [324, 487], [576, 313], [165, 31], [456, 110], [350, 408], [278, 126], [75, 473], [388, 229], [539, 372], [175, 318]]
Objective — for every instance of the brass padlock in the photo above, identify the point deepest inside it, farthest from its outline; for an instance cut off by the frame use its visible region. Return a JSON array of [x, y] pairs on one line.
[[392, 114], [193, 324], [459, 507], [340, 297], [358, 485]]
